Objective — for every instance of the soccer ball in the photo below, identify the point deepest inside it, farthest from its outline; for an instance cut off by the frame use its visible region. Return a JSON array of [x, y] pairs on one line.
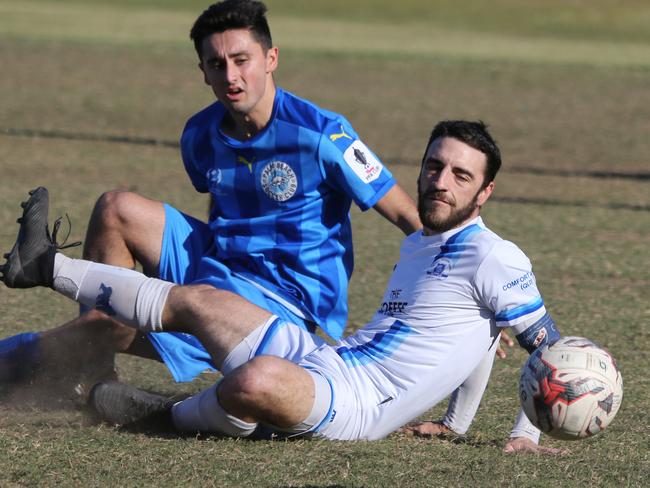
[[571, 389]]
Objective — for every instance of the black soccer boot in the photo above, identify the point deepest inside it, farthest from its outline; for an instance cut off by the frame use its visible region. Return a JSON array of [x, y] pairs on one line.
[[124, 405], [30, 262]]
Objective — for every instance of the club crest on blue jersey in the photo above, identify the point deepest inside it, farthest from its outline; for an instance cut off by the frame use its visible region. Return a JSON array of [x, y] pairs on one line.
[[439, 269], [365, 165], [279, 181]]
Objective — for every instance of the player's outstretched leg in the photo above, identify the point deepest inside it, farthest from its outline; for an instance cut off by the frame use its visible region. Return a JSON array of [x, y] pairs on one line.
[[30, 262]]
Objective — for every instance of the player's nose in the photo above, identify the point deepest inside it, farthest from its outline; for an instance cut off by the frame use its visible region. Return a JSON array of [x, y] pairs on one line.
[[232, 72], [439, 180]]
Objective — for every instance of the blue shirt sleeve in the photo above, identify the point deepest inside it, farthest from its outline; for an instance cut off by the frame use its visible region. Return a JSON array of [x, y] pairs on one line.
[[351, 166], [188, 148]]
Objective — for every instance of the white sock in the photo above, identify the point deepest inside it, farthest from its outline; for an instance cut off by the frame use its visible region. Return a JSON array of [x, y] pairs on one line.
[[127, 295], [203, 413], [68, 273]]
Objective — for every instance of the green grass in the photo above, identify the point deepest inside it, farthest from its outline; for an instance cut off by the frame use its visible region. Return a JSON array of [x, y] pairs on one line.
[[570, 19], [600, 34], [565, 90]]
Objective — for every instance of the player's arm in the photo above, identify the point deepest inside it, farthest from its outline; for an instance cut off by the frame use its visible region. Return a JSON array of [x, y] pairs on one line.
[[506, 282], [524, 436], [542, 332], [398, 207], [354, 170], [465, 400], [463, 404]]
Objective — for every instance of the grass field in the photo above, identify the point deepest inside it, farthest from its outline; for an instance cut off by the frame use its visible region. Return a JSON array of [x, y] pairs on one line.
[[86, 86]]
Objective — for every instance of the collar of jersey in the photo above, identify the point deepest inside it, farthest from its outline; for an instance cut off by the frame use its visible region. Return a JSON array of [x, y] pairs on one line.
[[231, 141], [437, 238]]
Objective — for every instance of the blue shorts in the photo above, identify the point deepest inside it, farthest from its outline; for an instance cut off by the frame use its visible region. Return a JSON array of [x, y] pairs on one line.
[[185, 257]]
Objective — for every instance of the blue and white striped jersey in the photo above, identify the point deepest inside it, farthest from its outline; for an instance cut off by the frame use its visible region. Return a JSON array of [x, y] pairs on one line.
[[282, 198], [441, 312]]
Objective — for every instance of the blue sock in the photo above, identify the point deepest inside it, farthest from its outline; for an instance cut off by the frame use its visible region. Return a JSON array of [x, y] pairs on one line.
[[19, 355]]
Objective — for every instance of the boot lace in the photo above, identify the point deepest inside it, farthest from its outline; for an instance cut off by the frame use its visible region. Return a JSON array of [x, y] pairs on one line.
[[55, 232]]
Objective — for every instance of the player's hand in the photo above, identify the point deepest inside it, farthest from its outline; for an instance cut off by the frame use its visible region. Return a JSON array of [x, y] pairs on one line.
[[504, 339], [525, 445], [426, 429]]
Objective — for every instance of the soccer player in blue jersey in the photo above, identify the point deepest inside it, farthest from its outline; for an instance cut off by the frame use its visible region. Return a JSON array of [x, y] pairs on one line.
[[281, 174]]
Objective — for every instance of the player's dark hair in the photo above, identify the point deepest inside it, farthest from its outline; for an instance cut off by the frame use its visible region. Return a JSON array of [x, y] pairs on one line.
[[232, 14], [474, 134]]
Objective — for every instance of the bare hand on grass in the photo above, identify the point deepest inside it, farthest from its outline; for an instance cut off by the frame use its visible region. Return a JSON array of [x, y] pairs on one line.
[[426, 429], [525, 445]]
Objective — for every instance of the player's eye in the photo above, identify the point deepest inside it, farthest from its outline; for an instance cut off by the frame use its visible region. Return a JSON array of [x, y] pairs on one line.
[[463, 177], [215, 65], [432, 167]]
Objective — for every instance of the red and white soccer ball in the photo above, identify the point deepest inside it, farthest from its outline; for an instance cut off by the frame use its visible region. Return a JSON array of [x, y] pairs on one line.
[[571, 389]]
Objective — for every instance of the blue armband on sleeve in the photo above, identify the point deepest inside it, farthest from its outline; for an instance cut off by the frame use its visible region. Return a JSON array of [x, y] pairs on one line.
[[539, 334]]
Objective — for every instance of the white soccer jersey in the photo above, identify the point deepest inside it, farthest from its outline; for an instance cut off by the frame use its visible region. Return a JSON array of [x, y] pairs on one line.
[[440, 314]]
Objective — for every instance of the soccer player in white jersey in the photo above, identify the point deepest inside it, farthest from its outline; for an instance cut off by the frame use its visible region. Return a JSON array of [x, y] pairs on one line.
[[281, 174], [456, 285]]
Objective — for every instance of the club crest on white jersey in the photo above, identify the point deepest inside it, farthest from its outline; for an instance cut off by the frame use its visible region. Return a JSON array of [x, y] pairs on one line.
[[439, 269], [365, 165]]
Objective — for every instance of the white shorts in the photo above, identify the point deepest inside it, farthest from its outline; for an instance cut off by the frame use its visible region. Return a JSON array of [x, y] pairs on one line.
[[276, 337], [283, 339], [373, 398], [367, 401]]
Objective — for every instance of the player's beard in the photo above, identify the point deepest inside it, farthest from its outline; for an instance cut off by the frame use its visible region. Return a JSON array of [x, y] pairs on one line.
[[434, 220]]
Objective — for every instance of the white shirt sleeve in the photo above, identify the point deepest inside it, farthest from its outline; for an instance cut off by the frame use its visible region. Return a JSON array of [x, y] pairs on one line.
[[506, 285], [466, 399]]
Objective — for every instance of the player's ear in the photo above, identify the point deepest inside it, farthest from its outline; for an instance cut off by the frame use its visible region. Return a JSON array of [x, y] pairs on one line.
[[205, 78], [272, 59], [485, 193]]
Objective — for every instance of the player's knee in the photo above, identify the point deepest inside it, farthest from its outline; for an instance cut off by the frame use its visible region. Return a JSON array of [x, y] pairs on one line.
[[253, 383], [107, 209], [118, 210]]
